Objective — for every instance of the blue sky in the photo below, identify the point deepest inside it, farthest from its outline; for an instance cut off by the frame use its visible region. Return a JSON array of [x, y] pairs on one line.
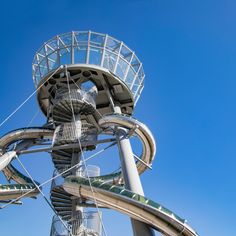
[[188, 52]]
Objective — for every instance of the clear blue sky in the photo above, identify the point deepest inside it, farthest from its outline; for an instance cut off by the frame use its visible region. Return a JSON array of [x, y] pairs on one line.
[[188, 49]]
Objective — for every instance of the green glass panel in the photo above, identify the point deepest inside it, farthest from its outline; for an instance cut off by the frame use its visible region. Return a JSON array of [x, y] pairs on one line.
[[116, 189], [167, 211], [105, 186], [135, 197], [128, 194], [142, 199], [96, 184], [153, 204], [179, 218]]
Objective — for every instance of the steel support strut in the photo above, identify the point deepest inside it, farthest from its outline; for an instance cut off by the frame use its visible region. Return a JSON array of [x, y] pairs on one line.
[[131, 177], [77, 211]]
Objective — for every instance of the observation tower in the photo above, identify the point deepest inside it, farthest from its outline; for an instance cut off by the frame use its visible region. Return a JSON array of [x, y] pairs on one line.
[[87, 86]]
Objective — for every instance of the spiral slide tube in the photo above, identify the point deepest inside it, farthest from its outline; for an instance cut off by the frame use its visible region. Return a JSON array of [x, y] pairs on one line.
[[118, 198], [27, 137], [104, 192]]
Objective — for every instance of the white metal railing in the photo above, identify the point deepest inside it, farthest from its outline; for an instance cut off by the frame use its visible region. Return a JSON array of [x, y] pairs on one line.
[[90, 226], [86, 47]]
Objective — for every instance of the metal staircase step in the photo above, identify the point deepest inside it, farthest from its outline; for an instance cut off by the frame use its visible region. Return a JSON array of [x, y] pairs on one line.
[[62, 152], [62, 117], [64, 106], [64, 164], [61, 157], [61, 209], [60, 195], [62, 200]]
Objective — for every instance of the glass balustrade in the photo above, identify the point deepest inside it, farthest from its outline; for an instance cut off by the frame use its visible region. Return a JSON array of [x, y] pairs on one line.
[[86, 47]]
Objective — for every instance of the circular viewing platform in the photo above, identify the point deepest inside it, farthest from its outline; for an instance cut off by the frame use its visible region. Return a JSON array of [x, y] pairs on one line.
[[87, 47]]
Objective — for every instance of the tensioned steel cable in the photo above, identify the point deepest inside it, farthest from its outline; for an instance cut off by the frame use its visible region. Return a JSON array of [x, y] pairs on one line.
[[82, 154], [33, 118], [45, 198], [28, 98]]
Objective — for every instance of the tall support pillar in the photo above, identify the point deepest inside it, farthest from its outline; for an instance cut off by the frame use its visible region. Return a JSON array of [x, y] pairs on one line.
[[77, 211], [131, 177]]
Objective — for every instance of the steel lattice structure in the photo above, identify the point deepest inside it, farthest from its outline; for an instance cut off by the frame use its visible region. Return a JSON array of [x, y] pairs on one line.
[[87, 86], [87, 47]]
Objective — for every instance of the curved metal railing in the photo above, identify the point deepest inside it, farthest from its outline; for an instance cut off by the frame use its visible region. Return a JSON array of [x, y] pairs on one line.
[[87, 47]]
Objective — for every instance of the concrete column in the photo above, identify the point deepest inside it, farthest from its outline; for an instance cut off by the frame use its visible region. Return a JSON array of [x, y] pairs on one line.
[[131, 177]]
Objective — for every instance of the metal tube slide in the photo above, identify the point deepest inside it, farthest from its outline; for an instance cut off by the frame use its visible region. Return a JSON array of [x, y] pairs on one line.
[[132, 204], [6, 159]]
